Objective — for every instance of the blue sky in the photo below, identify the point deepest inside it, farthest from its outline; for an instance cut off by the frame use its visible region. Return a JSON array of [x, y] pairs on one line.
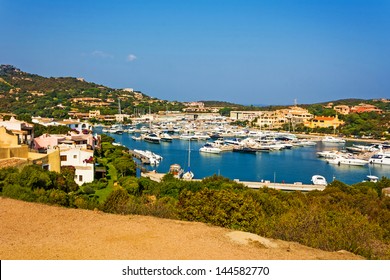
[[247, 52]]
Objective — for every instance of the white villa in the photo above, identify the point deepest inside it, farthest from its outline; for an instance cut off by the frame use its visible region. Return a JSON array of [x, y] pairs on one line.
[[80, 158]]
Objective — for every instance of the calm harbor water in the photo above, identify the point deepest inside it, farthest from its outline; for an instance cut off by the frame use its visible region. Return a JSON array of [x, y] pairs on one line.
[[295, 165]]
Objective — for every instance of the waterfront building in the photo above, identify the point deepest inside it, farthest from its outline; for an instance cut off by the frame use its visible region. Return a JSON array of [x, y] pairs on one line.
[[244, 115], [120, 118], [273, 119], [324, 122], [270, 119], [294, 114]]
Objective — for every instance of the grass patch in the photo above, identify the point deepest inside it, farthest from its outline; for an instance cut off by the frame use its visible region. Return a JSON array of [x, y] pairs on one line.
[[112, 178]]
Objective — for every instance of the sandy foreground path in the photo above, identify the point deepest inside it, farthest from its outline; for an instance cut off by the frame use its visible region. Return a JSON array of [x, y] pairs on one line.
[[31, 231]]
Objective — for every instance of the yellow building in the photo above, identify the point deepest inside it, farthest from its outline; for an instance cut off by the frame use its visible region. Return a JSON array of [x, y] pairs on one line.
[[13, 154], [322, 121]]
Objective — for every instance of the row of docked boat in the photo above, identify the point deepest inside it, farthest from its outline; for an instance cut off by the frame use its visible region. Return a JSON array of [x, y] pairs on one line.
[[153, 137], [357, 155], [341, 158], [253, 145]]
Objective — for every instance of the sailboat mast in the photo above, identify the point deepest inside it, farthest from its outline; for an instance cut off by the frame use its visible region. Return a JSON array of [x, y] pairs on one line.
[[189, 153]]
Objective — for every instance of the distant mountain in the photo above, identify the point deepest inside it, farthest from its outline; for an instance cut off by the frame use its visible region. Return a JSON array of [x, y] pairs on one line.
[[212, 103]]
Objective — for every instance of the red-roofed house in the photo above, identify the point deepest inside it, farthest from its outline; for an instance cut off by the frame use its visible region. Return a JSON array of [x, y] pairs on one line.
[[362, 108]]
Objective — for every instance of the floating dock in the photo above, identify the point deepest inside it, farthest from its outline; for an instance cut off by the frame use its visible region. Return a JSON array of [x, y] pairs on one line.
[[254, 185]]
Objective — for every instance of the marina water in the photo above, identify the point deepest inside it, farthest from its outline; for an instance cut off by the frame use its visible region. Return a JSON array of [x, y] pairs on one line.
[[298, 164]]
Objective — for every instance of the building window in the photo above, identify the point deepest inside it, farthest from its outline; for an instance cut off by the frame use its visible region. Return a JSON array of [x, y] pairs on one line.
[[74, 156], [80, 178], [63, 158]]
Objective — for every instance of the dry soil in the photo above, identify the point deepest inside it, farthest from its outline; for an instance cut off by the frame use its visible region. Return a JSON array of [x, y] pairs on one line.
[[31, 231]]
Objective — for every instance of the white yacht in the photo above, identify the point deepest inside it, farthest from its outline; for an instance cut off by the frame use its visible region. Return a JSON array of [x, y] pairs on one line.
[[220, 143], [136, 138], [152, 138], [327, 154], [208, 148], [319, 180], [347, 160], [380, 158], [371, 178], [186, 136], [332, 140], [200, 136], [165, 137]]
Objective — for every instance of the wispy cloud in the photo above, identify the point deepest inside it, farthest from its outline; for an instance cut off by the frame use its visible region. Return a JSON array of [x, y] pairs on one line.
[[101, 54], [131, 57]]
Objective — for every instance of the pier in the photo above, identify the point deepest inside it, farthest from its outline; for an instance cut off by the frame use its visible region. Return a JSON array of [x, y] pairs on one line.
[[253, 185], [144, 159], [282, 186]]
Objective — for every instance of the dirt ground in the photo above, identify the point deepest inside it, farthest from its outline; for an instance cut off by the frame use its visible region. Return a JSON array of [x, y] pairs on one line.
[[30, 231]]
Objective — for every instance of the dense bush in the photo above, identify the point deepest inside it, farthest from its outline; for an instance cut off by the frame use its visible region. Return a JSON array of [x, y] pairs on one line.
[[353, 218]]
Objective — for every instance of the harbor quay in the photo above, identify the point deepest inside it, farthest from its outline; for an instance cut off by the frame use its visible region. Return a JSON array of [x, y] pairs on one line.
[[297, 186]]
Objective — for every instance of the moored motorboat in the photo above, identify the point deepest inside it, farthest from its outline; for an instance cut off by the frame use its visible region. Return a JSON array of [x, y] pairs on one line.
[[319, 180], [152, 138], [372, 178], [208, 148], [327, 154], [339, 160], [136, 138], [165, 137], [380, 158], [332, 140]]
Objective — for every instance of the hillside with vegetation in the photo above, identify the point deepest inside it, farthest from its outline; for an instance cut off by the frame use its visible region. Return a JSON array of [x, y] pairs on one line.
[[25, 93], [354, 218]]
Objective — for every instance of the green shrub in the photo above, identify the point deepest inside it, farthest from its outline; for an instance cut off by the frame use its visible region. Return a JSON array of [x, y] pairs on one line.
[[116, 202], [18, 192]]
